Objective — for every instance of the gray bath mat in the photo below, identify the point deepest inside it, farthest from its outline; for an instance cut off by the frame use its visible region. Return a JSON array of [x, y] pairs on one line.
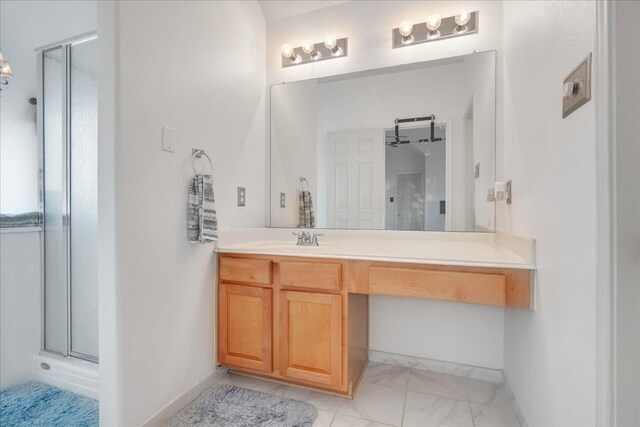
[[232, 406]]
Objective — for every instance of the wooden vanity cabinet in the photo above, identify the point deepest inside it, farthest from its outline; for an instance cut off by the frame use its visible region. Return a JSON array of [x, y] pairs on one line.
[[305, 320], [291, 319]]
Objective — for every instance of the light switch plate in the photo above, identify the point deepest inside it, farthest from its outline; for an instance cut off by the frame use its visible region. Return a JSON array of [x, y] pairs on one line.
[[242, 196], [168, 139], [580, 77], [282, 200]]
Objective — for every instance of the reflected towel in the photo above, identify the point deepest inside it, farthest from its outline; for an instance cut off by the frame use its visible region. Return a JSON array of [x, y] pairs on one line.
[[202, 224], [307, 217]]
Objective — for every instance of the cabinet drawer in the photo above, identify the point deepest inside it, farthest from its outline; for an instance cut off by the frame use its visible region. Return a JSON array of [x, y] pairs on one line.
[[477, 288], [316, 275], [247, 270]]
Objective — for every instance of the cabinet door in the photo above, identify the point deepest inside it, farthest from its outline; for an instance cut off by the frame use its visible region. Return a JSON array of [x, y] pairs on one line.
[[311, 337], [245, 320]]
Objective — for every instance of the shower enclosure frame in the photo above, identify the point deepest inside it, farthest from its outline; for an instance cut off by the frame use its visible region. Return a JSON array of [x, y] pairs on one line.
[[65, 46]]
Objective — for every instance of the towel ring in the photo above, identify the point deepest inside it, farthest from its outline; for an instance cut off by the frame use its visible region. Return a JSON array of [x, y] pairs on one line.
[[197, 154], [304, 183]]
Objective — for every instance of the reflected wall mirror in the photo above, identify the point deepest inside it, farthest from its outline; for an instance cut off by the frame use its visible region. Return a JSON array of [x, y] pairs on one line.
[[410, 147]]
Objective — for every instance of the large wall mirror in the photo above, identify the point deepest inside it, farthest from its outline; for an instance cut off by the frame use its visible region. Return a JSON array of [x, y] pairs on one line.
[[410, 147]]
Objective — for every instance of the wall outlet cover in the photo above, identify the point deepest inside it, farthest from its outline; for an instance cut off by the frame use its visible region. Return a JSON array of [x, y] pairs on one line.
[[242, 196], [282, 200], [577, 87]]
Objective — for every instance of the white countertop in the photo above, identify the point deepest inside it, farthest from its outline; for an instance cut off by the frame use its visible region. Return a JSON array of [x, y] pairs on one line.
[[452, 248]]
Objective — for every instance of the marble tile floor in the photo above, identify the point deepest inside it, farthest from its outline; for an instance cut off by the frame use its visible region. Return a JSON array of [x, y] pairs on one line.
[[392, 395]]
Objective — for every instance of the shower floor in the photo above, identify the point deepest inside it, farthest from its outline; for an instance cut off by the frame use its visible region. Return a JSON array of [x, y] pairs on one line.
[[40, 405]]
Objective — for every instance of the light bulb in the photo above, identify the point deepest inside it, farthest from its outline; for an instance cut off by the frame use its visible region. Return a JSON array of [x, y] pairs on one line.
[[308, 46], [462, 19], [5, 70], [405, 28], [287, 51], [433, 22], [330, 42], [432, 35]]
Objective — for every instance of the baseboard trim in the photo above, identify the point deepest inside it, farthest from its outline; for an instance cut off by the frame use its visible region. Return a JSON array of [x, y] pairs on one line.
[[166, 413], [477, 372]]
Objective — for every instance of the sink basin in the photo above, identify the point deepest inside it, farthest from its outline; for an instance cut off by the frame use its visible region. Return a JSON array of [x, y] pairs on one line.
[[268, 244], [280, 245]]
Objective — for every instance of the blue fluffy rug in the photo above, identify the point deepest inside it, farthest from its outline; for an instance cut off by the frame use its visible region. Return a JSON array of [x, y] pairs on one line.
[[40, 405], [231, 406]]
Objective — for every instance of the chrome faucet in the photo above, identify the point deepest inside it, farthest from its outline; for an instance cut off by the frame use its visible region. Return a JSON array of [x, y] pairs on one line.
[[306, 239]]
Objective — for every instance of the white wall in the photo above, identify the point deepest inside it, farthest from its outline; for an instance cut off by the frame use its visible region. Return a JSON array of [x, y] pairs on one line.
[[293, 153], [550, 352], [108, 132], [480, 71], [435, 190], [402, 159], [452, 332], [177, 65], [627, 211], [25, 26], [18, 137], [375, 101], [368, 25], [20, 314]]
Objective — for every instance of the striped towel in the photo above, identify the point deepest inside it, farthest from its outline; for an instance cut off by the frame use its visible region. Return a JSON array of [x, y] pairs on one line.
[[307, 217], [202, 224]]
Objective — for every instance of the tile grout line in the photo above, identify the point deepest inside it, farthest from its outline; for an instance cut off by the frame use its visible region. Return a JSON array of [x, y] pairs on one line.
[[406, 395], [335, 414], [466, 391], [406, 388]]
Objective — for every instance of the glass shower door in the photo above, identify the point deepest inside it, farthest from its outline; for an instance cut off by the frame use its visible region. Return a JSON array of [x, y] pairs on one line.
[[55, 193], [70, 112], [83, 221]]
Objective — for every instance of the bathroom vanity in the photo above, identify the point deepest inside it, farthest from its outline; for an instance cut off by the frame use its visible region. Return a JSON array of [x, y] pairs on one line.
[[300, 314], [360, 157]]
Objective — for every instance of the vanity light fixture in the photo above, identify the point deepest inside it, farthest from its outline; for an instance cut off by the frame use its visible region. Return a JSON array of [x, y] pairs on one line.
[[5, 71], [312, 52], [435, 28]]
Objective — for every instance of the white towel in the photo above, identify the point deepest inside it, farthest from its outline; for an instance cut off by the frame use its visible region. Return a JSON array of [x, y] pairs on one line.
[[202, 224]]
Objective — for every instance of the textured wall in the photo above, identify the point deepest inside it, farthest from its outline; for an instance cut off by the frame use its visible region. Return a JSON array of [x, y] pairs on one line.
[[197, 67], [550, 352]]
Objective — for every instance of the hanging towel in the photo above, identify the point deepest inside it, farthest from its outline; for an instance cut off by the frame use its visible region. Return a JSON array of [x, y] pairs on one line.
[[307, 217], [28, 219], [202, 224]]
